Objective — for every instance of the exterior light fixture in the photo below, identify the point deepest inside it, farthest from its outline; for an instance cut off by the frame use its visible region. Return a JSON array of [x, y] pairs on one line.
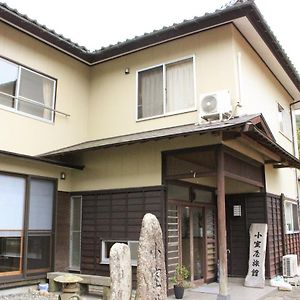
[[127, 71], [237, 210], [63, 176]]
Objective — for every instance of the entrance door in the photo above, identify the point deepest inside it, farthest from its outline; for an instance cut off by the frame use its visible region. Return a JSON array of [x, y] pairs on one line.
[[192, 241], [237, 236], [192, 232]]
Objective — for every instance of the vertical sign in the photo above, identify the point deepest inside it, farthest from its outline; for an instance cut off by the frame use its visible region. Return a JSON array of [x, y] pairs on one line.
[[257, 255]]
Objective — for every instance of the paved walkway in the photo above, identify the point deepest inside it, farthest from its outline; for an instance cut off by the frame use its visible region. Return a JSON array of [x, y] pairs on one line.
[[239, 292], [279, 295]]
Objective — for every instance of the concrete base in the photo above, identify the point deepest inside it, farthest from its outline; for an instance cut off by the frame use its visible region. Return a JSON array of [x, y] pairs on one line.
[[221, 297]]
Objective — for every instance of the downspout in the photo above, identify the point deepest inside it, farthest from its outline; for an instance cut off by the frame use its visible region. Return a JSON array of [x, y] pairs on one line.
[[295, 147]]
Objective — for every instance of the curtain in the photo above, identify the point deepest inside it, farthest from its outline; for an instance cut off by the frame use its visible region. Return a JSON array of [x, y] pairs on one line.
[[180, 85], [287, 126], [295, 217], [289, 216], [48, 97], [39, 89], [150, 100], [12, 199]]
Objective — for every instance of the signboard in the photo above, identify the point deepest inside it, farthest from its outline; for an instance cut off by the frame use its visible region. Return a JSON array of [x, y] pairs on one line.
[[257, 255]]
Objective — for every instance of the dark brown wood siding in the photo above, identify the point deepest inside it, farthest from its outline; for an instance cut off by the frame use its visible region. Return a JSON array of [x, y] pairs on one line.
[[275, 244], [115, 215], [258, 208], [253, 211], [62, 226]]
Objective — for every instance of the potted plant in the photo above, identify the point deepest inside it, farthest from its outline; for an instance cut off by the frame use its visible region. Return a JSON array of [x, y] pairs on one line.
[[179, 280]]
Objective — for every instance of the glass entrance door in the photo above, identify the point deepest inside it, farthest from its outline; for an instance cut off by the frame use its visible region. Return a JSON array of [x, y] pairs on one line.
[[192, 241], [198, 244], [191, 231]]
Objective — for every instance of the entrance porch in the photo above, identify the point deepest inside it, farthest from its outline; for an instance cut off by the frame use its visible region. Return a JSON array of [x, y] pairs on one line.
[[198, 182], [235, 287]]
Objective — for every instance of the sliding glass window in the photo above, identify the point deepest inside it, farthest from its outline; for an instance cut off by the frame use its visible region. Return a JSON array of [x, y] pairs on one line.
[[12, 202], [26, 92], [40, 225]]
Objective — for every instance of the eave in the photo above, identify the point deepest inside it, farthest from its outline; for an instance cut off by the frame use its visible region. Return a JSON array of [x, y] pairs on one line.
[[251, 128], [243, 14], [30, 158]]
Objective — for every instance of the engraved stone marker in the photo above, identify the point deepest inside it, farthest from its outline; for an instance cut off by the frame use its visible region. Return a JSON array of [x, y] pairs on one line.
[[120, 272], [151, 271], [257, 254]]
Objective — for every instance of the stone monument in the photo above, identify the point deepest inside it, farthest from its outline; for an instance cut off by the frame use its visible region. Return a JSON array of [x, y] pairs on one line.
[[151, 271], [257, 254], [120, 272]]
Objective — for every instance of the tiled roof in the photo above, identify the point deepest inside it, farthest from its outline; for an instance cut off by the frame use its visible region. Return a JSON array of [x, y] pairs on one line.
[[253, 126], [229, 12], [26, 19], [153, 135], [173, 26]]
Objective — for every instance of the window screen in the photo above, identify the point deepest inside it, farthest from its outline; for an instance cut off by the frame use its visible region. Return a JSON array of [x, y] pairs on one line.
[[41, 204]]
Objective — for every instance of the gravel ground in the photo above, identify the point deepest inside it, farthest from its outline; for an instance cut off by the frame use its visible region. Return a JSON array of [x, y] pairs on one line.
[[30, 295]]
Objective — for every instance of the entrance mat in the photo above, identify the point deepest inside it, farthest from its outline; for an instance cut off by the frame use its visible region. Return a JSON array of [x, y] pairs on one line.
[[212, 288]]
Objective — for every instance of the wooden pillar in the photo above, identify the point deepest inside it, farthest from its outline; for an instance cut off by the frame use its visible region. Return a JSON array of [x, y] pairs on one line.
[[191, 244], [222, 244]]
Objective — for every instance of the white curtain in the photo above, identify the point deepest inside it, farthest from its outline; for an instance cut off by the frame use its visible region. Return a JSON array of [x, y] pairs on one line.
[[180, 85], [295, 217], [12, 199], [287, 126], [48, 97], [150, 102], [289, 216]]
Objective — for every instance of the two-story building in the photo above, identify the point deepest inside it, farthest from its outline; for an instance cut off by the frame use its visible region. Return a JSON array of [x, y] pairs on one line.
[[194, 123]]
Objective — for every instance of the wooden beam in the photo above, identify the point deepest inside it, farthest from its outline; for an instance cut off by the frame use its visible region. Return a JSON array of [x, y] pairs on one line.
[[281, 165], [258, 147], [222, 243], [191, 175], [231, 135], [244, 179]]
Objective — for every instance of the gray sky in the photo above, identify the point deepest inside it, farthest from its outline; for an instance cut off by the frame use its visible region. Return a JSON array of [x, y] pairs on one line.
[[97, 23]]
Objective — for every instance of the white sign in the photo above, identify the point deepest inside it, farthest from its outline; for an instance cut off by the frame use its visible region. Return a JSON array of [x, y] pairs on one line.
[[257, 255]]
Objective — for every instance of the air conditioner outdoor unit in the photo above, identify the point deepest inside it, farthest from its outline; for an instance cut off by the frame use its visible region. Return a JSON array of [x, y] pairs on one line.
[[214, 106], [289, 265]]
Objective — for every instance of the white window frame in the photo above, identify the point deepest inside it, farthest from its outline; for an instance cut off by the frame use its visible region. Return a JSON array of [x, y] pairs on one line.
[[163, 65], [287, 231], [72, 268], [105, 260], [18, 98]]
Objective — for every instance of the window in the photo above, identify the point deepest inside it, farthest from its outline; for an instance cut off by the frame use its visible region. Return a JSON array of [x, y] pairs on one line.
[[25, 91], [40, 225], [75, 233], [291, 217], [166, 89], [106, 246], [12, 205], [284, 118]]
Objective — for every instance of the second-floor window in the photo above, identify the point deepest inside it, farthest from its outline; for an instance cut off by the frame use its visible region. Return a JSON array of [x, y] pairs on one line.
[[25, 91], [166, 89], [284, 118]]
